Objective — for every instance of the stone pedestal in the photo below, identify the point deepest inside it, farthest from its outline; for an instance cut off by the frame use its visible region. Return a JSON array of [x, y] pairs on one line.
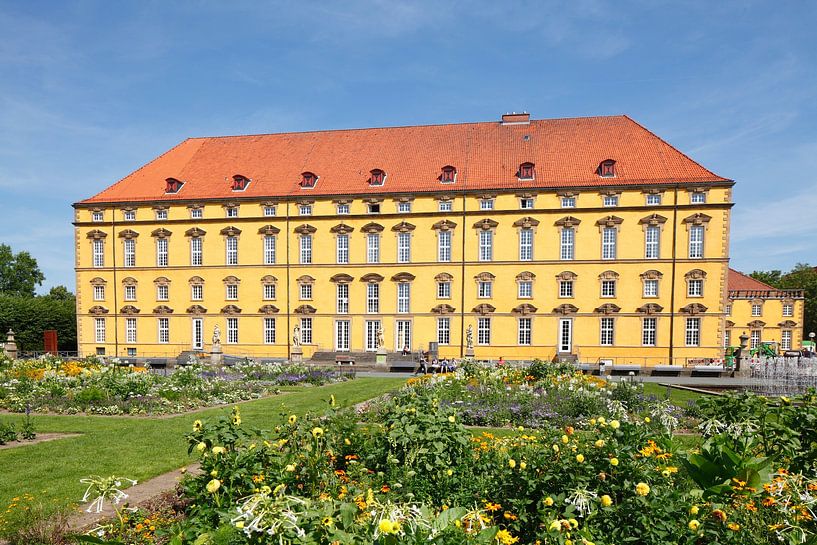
[[469, 354], [296, 355], [10, 348], [216, 356], [380, 357]]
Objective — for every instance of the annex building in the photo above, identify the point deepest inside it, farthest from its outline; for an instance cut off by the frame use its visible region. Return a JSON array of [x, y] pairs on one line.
[[588, 238]]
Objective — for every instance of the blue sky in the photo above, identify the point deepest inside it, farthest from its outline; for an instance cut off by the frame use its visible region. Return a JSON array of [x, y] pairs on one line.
[[89, 91]]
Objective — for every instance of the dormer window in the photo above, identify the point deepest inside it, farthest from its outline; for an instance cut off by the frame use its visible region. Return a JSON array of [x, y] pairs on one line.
[[607, 169], [378, 177], [240, 183], [526, 171], [308, 180], [172, 185], [448, 175]]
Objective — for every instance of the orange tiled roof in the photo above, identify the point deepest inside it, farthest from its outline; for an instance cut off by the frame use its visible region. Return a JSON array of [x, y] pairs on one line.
[[487, 155], [739, 281]]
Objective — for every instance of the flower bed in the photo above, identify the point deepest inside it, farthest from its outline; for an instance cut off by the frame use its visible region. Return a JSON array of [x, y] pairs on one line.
[[72, 387], [415, 474]]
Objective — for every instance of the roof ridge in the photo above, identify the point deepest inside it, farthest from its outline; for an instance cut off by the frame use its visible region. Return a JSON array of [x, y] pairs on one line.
[[731, 270]]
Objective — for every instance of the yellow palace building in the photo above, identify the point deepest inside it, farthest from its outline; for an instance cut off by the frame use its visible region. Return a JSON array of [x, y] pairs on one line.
[[586, 238]]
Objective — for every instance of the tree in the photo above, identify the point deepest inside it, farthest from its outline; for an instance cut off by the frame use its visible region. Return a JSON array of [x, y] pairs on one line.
[[19, 273], [804, 277], [768, 277], [60, 293]]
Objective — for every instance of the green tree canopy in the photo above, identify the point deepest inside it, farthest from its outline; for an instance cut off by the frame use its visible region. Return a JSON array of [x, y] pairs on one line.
[[802, 277], [19, 273], [768, 277], [60, 293]]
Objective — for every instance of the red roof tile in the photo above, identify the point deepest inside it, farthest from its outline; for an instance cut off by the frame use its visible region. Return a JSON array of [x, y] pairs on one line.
[[739, 281], [566, 153]]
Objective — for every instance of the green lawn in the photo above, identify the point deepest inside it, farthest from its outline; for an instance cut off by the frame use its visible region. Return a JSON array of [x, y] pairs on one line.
[[677, 396], [141, 448]]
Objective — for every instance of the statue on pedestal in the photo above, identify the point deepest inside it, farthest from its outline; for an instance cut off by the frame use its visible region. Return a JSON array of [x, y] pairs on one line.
[[380, 342], [469, 337], [216, 336], [296, 336]]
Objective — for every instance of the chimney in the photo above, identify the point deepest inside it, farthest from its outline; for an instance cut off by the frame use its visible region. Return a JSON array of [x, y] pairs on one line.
[[513, 118]]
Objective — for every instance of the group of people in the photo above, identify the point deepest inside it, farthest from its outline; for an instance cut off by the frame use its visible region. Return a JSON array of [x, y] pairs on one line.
[[435, 366]]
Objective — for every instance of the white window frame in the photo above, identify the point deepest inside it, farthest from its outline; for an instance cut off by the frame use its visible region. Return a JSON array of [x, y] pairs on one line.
[[566, 289], [445, 206], [100, 332], [130, 330], [373, 298], [373, 248], [485, 289], [231, 247], [305, 291], [306, 249], [130, 293], [652, 242], [231, 292], [697, 197], [653, 282], [692, 332], [524, 336], [696, 241], [444, 331], [785, 339], [129, 251], [404, 207], [568, 202], [99, 293], [526, 245], [97, 216], [754, 338], [524, 289], [567, 244], [609, 243], [98, 249], [304, 209], [486, 204], [163, 330], [608, 288], [653, 199], [161, 215], [342, 298], [196, 213], [342, 209], [649, 331], [484, 331], [403, 297], [306, 330], [695, 287], [196, 292], [342, 249], [270, 211], [231, 212], [163, 292], [757, 310], [270, 292], [607, 331], [526, 203], [162, 257], [232, 331], [404, 247], [444, 243], [610, 201], [270, 249], [269, 330], [444, 289], [788, 310], [129, 215], [196, 252], [486, 245]]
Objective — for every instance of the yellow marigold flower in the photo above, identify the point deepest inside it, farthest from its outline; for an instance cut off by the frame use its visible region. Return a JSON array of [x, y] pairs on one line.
[[565, 439], [601, 420], [615, 424], [642, 489], [666, 474], [201, 447], [219, 450], [733, 526], [568, 541], [647, 419], [290, 468], [693, 510], [580, 458], [613, 462], [317, 432], [606, 501], [573, 523], [512, 463], [449, 472], [555, 526], [452, 419], [599, 443], [505, 538], [694, 525], [489, 506], [347, 442], [387, 526], [523, 465], [592, 421], [197, 425], [236, 420], [292, 419], [719, 514], [556, 448], [213, 485]]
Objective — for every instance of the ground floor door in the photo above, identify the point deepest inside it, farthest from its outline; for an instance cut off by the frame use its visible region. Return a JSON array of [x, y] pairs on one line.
[[198, 334], [565, 340], [342, 336], [372, 329], [403, 335]]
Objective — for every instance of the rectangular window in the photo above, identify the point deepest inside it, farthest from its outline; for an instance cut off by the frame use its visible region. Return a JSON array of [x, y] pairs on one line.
[[693, 332], [696, 241], [568, 202], [785, 339], [698, 197], [305, 209], [231, 292], [486, 245], [342, 291], [484, 331], [306, 330], [161, 214], [653, 199], [727, 338], [608, 288], [97, 216], [566, 288], [306, 249], [403, 297], [728, 309], [444, 246], [269, 330], [566, 250], [695, 288], [196, 245], [232, 250], [486, 204], [443, 331], [232, 330], [99, 293], [342, 209], [524, 289], [232, 212], [652, 238], [446, 206], [524, 332], [788, 310], [526, 203], [196, 213], [373, 248], [99, 253], [525, 244], [306, 292], [162, 292], [342, 249], [269, 292], [130, 293], [129, 246], [403, 247], [129, 215], [404, 207], [269, 211], [372, 334], [608, 242], [650, 288], [485, 289], [757, 310], [372, 298], [443, 290], [161, 252], [130, 330], [754, 338], [269, 250], [99, 330], [607, 331], [196, 292], [164, 330], [648, 331], [374, 208], [610, 200]]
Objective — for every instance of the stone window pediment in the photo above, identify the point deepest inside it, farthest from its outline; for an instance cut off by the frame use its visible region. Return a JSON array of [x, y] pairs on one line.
[[757, 301], [305, 202], [444, 225], [443, 309], [306, 309], [524, 309], [609, 275], [697, 219], [757, 324], [162, 281], [341, 278], [444, 277], [341, 229], [567, 221], [196, 280], [567, 275], [196, 309], [230, 231], [129, 281], [651, 274], [372, 227], [268, 279], [695, 274], [404, 198], [693, 308], [231, 309], [650, 308], [607, 308], [305, 229], [97, 310], [404, 227], [268, 309], [484, 308], [609, 221], [161, 232], [566, 309], [269, 230], [372, 278], [163, 309], [373, 200], [305, 279], [231, 280], [403, 277], [729, 323], [129, 310], [98, 281], [653, 219], [96, 234], [525, 276], [788, 324], [128, 234], [526, 223], [567, 194], [485, 277], [486, 224], [195, 232]]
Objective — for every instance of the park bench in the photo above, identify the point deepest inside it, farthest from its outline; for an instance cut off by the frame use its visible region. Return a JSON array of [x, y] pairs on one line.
[[666, 371], [342, 359], [707, 370]]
